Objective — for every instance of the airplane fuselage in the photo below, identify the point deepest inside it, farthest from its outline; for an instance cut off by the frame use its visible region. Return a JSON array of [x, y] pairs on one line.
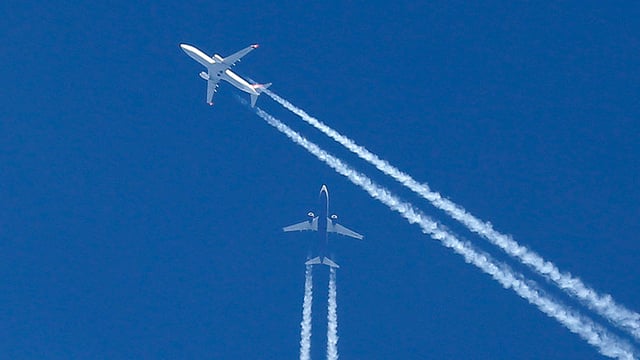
[[218, 69], [323, 233]]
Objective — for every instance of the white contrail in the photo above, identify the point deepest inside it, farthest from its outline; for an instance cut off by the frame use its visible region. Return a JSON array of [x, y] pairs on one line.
[[603, 304], [305, 324], [332, 318], [607, 343]]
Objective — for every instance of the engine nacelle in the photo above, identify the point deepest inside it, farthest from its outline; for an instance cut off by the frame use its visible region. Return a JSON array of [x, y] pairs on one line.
[[311, 214], [204, 75], [334, 217]]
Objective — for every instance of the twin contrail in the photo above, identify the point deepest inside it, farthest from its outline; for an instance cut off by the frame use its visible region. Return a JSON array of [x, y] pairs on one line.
[[332, 318], [607, 343], [305, 324], [604, 305]]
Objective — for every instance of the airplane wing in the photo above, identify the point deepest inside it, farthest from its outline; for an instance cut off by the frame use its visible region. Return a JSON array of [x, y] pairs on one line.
[[339, 229], [303, 226], [232, 59], [212, 86]]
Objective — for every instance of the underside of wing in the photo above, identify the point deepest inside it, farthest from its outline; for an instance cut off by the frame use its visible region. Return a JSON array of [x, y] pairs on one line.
[[303, 226], [212, 86], [234, 58], [339, 229]]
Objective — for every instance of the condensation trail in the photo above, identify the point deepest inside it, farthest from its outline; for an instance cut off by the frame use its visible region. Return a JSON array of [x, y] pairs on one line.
[[305, 324], [603, 304], [607, 343], [332, 318]]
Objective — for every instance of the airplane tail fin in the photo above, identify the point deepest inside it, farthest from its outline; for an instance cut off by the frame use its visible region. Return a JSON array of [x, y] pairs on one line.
[[259, 88]]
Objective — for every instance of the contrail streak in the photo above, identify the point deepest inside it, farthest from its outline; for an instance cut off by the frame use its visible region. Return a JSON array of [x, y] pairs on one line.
[[305, 324], [332, 318], [594, 334], [603, 304]]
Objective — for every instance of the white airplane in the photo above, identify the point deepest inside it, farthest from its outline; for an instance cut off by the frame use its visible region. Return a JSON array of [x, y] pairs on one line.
[[323, 224], [218, 69]]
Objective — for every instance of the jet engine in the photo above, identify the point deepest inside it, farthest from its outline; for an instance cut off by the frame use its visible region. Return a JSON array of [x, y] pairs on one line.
[[311, 214], [204, 75]]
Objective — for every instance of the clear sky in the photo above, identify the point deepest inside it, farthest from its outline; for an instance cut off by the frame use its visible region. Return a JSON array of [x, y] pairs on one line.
[[138, 222]]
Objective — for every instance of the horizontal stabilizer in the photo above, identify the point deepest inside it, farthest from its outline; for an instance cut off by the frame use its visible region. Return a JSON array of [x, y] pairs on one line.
[[314, 261], [330, 263], [259, 89], [324, 261]]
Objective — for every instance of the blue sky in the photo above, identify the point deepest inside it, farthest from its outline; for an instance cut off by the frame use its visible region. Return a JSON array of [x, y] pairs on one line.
[[138, 222]]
